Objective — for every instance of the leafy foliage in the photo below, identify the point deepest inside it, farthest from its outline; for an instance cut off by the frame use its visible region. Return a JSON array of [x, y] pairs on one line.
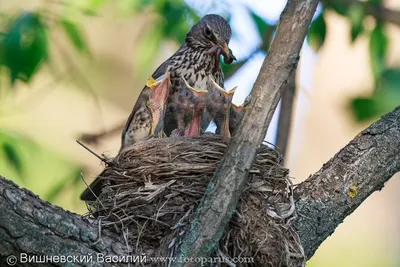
[[74, 34], [378, 47], [317, 32], [386, 93], [356, 16], [24, 46]]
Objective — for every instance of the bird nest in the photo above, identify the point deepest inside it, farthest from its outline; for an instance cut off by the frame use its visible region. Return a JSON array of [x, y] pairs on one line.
[[152, 190]]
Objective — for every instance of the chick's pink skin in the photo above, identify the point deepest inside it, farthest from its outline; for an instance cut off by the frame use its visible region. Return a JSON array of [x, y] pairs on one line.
[[157, 103], [235, 115], [188, 107], [218, 105]]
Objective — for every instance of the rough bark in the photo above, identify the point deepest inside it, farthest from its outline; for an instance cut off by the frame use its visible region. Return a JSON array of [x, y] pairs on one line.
[[222, 196], [30, 225], [345, 181], [285, 115]]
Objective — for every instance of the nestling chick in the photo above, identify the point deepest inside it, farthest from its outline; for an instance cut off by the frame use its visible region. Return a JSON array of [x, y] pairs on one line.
[[218, 104], [188, 104], [235, 115]]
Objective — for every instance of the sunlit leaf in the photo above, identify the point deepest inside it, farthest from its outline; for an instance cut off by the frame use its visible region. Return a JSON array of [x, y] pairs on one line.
[[74, 34], [377, 47], [24, 46], [356, 15], [317, 32], [91, 7], [12, 156]]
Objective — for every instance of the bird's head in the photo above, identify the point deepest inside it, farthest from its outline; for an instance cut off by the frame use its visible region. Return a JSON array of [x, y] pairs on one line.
[[235, 115], [212, 33], [190, 100], [219, 98]]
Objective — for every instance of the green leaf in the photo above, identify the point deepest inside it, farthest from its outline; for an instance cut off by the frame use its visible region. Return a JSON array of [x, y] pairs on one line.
[[262, 26], [24, 46], [378, 47], [356, 15], [74, 34], [317, 32], [390, 80], [12, 157], [385, 98], [364, 108]]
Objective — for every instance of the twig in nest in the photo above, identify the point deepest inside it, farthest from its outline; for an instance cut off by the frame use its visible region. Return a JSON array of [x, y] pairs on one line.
[[103, 159]]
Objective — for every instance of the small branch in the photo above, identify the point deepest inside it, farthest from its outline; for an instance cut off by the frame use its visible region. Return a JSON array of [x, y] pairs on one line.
[[225, 189], [345, 181], [95, 138], [285, 115]]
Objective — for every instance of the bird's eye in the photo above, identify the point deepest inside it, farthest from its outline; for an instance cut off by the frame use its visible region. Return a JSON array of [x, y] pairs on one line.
[[187, 93], [207, 32]]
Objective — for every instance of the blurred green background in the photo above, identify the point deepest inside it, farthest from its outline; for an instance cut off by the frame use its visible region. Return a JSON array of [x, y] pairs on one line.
[[74, 67]]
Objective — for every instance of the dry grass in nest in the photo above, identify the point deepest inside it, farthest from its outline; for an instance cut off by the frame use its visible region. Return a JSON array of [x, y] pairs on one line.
[[154, 187]]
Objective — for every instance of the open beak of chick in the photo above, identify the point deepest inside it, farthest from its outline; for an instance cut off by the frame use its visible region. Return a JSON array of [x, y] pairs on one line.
[[159, 92], [223, 120], [197, 105]]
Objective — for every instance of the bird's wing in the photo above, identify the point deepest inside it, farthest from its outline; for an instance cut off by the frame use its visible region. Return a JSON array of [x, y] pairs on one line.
[[162, 69]]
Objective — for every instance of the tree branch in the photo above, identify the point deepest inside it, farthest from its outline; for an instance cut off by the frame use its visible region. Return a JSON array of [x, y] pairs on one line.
[[285, 115], [225, 189], [30, 225], [345, 181]]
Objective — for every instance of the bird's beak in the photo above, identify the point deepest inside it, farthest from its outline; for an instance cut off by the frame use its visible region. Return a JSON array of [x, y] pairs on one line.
[[237, 108], [196, 92], [224, 47], [158, 101], [226, 93]]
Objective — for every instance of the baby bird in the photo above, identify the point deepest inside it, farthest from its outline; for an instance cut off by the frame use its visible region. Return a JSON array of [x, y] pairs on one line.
[[188, 104], [218, 104], [235, 115]]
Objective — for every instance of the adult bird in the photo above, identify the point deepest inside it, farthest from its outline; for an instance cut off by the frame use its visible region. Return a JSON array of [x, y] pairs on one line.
[[198, 60]]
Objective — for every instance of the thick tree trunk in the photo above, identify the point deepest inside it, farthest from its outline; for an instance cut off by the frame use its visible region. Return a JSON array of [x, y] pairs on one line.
[[34, 227]]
